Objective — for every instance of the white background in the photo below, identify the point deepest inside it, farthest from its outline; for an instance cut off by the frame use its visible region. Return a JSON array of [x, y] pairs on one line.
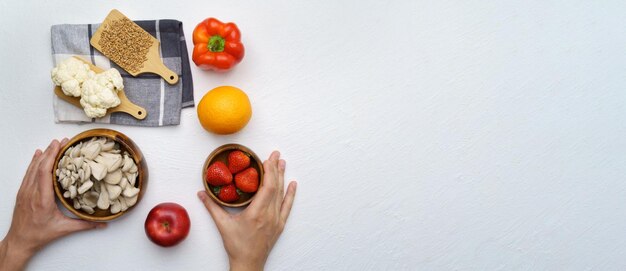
[[425, 135]]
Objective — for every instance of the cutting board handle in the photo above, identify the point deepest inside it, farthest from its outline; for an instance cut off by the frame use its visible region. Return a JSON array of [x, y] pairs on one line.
[[130, 108], [159, 68]]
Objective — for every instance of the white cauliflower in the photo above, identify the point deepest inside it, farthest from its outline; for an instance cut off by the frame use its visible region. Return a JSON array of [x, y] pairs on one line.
[[70, 74], [100, 93], [110, 78]]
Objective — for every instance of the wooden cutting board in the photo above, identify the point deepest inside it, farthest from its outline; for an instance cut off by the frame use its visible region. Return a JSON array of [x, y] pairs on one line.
[[153, 64], [125, 106]]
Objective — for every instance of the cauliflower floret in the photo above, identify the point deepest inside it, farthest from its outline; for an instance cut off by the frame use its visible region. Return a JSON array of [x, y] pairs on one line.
[[100, 93], [110, 78], [70, 74]]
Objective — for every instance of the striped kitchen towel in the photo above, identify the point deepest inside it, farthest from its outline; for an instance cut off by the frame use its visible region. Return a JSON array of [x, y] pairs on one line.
[[162, 101]]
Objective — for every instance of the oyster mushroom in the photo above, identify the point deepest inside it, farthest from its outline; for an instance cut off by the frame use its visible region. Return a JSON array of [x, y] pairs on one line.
[[114, 177], [123, 203], [103, 198], [76, 204], [87, 171], [96, 188], [114, 191], [123, 182], [116, 206], [84, 187], [130, 191], [91, 150], [65, 161], [78, 162], [76, 150], [72, 191], [108, 146], [87, 209], [130, 201], [90, 199], [131, 177], [98, 171], [68, 151], [111, 161], [100, 141], [128, 163], [65, 182], [81, 175]]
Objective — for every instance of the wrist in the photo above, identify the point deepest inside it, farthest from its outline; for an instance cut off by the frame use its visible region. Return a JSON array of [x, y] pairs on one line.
[[12, 255], [237, 265]]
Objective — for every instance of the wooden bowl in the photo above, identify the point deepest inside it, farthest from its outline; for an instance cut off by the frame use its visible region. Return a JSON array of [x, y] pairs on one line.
[[221, 154], [126, 144]]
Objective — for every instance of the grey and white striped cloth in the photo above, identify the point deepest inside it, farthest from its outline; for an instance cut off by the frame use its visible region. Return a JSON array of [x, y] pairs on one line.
[[162, 101]]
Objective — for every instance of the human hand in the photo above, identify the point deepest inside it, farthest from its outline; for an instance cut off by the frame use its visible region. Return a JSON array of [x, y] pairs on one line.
[[250, 235], [37, 220]]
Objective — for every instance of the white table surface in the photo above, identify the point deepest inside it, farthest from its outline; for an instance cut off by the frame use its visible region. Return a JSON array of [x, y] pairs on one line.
[[425, 135]]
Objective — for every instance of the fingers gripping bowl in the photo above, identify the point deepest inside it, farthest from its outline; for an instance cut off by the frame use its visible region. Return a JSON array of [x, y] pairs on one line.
[[100, 175]]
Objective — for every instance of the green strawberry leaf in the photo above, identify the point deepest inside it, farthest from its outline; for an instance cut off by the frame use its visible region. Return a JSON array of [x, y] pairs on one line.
[[239, 192], [216, 189]]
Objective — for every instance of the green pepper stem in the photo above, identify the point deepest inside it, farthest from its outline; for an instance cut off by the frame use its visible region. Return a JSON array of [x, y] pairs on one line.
[[216, 44]]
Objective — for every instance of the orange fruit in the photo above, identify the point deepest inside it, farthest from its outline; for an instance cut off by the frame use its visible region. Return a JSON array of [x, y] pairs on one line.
[[224, 110]]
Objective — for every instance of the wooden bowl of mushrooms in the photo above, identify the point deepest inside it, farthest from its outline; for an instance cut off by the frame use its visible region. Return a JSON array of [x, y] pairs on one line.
[[100, 175]]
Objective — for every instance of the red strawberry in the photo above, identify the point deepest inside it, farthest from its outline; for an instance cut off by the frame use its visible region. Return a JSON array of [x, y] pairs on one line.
[[227, 193], [247, 180], [217, 174], [238, 161]]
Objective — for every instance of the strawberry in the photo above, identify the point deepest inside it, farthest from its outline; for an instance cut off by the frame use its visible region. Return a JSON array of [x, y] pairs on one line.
[[238, 161], [227, 193], [217, 174], [247, 180]]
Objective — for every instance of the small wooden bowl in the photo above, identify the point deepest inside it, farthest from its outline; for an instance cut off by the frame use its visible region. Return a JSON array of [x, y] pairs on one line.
[[221, 154], [126, 144]]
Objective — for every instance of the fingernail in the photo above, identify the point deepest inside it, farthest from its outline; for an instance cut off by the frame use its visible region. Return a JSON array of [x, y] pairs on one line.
[[282, 164], [201, 195], [101, 225], [52, 144]]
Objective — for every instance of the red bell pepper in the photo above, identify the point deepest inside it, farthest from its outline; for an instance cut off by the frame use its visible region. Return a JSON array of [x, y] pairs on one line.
[[217, 45]]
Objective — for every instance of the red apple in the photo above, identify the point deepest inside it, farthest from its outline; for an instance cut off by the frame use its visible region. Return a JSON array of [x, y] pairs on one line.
[[167, 224]]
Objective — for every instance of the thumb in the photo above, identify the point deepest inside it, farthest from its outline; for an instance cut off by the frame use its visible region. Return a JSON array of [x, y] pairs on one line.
[[75, 225], [216, 211]]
